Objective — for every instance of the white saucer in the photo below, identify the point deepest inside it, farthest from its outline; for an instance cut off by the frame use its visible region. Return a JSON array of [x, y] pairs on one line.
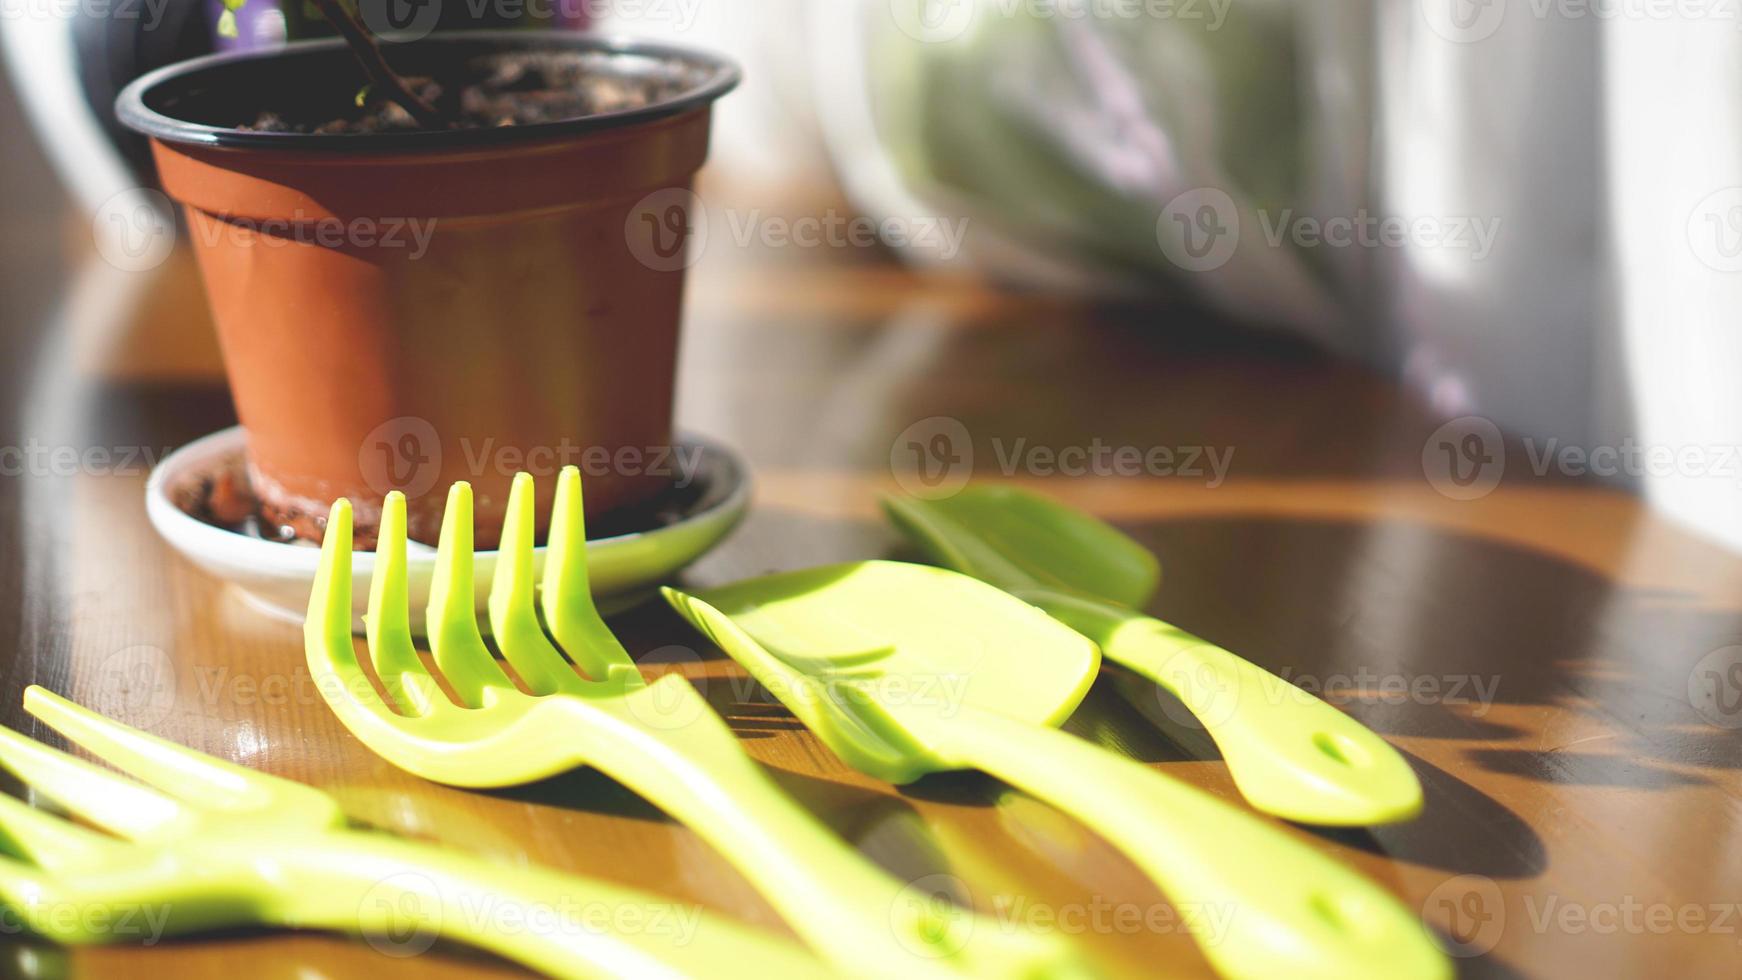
[[276, 577]]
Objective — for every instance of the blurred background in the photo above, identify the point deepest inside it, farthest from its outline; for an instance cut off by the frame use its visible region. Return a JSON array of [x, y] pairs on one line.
[[1529, 212]]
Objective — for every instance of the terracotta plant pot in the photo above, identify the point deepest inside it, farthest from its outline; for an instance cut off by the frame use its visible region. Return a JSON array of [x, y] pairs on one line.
[[401, 310]]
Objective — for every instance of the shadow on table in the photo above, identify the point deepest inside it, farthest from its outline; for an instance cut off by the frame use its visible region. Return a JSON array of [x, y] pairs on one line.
[[1423, 634]]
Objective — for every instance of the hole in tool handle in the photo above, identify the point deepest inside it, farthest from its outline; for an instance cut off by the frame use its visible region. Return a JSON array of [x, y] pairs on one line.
[[1342, 748]]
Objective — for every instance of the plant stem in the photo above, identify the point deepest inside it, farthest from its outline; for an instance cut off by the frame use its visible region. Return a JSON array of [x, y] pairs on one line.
[[368, 54]]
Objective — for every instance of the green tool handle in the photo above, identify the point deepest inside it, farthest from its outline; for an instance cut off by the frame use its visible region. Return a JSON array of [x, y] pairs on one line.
[[1290, 753], [1260, 903], [666, 743], [405, 896]]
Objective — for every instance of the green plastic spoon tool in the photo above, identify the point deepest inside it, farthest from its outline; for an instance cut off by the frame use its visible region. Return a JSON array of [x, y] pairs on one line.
[[1290, 753], [905, 670]]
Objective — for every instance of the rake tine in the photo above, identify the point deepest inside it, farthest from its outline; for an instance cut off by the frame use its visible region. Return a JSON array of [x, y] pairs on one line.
[[192, 777], [568, 599], [112, 802], [327, 630], [389, 620], [328, 625], [512, 617], [48, 841], [452, 618]]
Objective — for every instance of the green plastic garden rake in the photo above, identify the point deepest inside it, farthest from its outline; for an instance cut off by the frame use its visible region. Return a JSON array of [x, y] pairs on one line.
[[222, 846], [661, 739]]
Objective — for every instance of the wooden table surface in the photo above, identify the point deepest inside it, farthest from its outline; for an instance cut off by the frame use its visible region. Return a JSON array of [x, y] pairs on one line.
[[1539, 652]]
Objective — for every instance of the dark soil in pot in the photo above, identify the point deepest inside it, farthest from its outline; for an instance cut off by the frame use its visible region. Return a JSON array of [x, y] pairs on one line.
[[511, 88]]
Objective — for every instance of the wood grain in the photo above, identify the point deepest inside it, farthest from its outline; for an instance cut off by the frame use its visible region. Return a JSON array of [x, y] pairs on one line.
[[1532, 650]]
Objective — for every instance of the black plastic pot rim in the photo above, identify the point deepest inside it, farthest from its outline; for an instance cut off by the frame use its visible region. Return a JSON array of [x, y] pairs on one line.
[[133, 107]]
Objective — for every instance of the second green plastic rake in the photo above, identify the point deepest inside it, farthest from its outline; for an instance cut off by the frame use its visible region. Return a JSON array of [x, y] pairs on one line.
[[216, 845]]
